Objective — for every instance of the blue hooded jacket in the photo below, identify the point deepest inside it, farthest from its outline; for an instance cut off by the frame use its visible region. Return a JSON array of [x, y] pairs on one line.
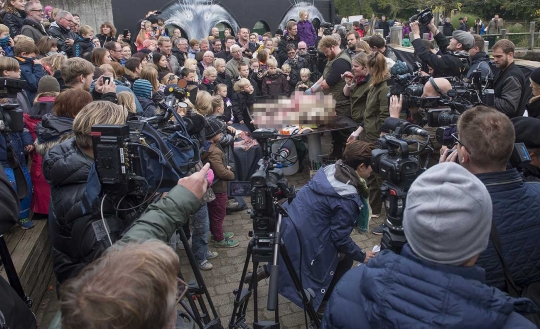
[[405, 291], [324, 212]]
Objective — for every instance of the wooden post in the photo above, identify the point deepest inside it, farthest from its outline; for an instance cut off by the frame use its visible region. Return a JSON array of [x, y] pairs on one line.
[[503, 33], [531, 40]]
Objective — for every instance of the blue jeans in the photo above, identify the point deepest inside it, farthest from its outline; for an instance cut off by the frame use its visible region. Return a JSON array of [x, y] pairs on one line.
[[199, 236], [24, 203]]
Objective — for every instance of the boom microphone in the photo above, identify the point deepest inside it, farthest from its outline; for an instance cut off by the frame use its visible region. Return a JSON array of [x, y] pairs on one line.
[[404, 127]]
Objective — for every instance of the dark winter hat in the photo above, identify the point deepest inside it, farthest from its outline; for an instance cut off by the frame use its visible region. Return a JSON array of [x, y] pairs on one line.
[[535, 76], [279, 31], [142, 88], [48, 84], [465, 38], [527, 131], [447, 219], [213, 127]]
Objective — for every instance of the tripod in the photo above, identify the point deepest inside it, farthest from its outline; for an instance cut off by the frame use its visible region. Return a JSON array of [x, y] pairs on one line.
[[265, 249], [196, 290], [11, 273]]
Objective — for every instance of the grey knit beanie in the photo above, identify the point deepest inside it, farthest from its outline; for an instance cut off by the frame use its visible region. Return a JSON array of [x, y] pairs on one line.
[[448, 214]]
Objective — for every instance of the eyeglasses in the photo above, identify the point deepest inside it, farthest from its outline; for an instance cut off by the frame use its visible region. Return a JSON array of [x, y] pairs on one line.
[[455, 136], [181, 290], [291, 52], [38, 10]]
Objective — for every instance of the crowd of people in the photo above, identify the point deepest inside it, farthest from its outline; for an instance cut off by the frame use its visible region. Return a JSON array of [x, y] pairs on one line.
[[77, 78]]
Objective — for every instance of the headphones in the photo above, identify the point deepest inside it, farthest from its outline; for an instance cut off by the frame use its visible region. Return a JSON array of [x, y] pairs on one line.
[[437, 89]]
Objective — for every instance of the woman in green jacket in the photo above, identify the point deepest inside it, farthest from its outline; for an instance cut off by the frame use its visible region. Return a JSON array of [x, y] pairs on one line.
[[357, 86], [374, 115]]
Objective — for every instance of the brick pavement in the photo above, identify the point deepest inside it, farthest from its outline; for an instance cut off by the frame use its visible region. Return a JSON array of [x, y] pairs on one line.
[[225, 276]]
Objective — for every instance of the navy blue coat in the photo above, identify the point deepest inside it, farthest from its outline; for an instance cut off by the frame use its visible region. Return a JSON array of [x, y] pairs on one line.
[[32, 73], [516, 214], [18, 141], [405, 291], [324, 212]]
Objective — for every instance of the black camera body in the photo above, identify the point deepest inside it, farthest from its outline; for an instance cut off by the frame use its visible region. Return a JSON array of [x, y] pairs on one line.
[[328, 28], [11, 115], [424, 17]]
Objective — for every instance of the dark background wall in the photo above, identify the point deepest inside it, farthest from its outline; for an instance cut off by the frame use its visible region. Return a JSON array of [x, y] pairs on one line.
[[247, 12]]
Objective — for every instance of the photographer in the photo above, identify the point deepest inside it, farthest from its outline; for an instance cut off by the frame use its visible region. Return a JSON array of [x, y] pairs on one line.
[[484, 143], [16, 313], [66, 167], [325, 211], [455, 59], [434, 282], [332, 82]]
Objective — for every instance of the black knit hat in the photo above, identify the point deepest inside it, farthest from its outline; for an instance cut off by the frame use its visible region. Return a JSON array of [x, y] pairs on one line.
[[527, 131], [279, 31], [535, 76], [213, 127]]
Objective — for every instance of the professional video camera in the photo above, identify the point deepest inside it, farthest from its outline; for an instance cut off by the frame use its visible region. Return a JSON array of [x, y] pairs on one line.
[[424, 17], [328, 28], [267, 187], [410, 86], [11, 116], [393, 161]]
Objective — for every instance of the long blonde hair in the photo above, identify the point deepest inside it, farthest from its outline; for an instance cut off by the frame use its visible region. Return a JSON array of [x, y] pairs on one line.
[[127, 99], [151, 74]]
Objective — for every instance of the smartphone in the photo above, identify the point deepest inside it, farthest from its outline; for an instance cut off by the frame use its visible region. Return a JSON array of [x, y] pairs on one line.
[[106, 80], [126, 32]]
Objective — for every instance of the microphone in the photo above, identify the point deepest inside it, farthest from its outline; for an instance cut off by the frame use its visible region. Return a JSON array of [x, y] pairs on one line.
[[405, 127]]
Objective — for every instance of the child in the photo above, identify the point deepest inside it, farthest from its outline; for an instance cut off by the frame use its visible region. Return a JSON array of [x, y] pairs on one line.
[[194, 48], [304, 84], [286, 70], [209, 80], [222, 172], [222, 91], [306, 31], [222, 76], [243, 99], [31, 69], [21, 143], [48, 90], [189, 75], [274, 83], [5, 41], [191, 63], [83, 44], [143, 90], [243, 69]]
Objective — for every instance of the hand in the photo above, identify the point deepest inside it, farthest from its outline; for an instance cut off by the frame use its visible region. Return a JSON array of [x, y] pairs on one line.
[[69, 42], [29, 148], [321, 31], [453, 157], [11, 42], [395, 106], [231, 129], [415, 29], [96, 43], [196, 183], [242, 122], [37, 61], [230, 123], [349, 77], [308, 91], [354, 135], [369, 255], [288, 78], [229, 167]]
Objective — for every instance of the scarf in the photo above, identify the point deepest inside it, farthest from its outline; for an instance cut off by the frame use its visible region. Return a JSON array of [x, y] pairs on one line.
[[348, 175], [360, 80]]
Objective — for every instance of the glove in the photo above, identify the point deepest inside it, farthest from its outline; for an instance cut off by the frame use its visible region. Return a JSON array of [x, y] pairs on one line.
[[210, 177]]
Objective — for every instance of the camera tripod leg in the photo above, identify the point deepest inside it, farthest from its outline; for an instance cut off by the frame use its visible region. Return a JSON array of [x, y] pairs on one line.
[[11, 272], [200, 283], [307, 301], [242, 295]]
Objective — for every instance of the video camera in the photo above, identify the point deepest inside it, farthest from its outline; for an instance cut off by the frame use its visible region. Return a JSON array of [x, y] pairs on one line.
[[328, 28], [266, 187], [424, 17], [393, 161], [11, 116]]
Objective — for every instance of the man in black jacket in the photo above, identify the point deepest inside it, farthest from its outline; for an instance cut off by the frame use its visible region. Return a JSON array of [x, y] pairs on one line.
[[455, 60], [528, 132], [180, 50], [510, 85], [32, 23], [479, 58], [448, 28], [61, 31], [290, 38], [385, 26]]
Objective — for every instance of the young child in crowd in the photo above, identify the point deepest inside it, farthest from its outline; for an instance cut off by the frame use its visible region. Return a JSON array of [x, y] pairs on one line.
[[222, 172], [274, 83], [21, 144], [209, 82], [6, 43], [222, 91], [243, 99], [194, 48], [83, 44], [286, 70], [304, 84], [222, 76], [31, 69], [244, 71], [189, 75], [191, 63]]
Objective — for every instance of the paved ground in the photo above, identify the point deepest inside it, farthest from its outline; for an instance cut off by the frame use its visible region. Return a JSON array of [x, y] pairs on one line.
[[224, 278]]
